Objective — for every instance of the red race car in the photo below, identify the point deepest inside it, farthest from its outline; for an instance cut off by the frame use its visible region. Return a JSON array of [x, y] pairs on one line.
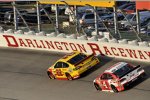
[[118, 76]]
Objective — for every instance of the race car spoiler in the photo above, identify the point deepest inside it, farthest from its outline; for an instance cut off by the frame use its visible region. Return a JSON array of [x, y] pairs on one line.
[[131, 70], [84, 59]]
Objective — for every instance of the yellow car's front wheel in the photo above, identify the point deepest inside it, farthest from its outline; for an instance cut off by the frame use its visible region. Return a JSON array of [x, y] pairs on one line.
[[50, 75]]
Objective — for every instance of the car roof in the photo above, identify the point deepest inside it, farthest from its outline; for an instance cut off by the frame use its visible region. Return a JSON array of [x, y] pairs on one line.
[[116, 67], [69, 56]]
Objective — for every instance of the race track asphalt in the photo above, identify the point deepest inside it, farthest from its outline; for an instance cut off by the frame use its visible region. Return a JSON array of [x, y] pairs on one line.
[[23, 77]]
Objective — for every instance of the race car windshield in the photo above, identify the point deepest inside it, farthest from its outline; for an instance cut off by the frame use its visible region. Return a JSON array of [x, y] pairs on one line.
[[123, 70], [77, 58]]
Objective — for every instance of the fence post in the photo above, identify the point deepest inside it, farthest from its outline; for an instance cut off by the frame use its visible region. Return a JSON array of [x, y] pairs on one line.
[[57, 22], [38, 16], [15, 15], [77, 19], [138, 21], [96, 20]]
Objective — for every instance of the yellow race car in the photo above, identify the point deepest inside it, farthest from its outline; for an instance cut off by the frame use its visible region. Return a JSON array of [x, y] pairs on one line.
[[72, 65]]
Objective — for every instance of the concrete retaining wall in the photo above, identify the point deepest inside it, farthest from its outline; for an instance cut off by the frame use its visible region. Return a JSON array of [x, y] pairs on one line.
[[131, 50]]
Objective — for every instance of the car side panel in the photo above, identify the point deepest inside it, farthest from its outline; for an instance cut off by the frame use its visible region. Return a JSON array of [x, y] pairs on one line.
[[87, 64]]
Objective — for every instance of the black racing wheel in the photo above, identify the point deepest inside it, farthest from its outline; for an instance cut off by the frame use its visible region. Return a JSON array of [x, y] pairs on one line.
[[98, 88], [114, 89], [50, 75]]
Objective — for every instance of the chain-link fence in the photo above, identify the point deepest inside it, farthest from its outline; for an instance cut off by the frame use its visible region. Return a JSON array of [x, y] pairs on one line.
[[81, 24]]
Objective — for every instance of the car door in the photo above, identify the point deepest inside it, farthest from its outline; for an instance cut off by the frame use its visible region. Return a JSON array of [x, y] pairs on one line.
[[105, 81], [58, 70], [64, 69]]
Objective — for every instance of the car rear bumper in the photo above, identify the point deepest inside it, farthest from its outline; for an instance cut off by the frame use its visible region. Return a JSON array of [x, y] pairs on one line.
[[128, 84]]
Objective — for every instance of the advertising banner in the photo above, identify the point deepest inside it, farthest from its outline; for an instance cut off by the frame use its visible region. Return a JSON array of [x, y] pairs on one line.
[[55, 44]]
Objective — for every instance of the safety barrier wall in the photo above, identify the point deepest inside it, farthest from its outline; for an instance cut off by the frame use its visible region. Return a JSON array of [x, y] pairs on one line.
[[131, 50]]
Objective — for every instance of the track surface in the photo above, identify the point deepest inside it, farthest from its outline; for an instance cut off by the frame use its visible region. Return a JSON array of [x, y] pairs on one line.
[[23, 77]]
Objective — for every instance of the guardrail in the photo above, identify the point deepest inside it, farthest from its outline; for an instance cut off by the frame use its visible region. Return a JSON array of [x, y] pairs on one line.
[[132, 50]]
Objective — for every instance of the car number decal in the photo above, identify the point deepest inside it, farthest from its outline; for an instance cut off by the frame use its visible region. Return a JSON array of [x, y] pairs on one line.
[[59, 72], [104, 84]]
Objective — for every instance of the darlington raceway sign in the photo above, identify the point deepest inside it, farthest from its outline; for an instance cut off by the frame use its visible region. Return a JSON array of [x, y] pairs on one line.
[[68, 45]]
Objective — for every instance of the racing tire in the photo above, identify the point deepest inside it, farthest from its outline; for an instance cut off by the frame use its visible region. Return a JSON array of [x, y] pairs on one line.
[[98, 88], [143, 76], [69, 77], [50, 75], [114, 89]]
